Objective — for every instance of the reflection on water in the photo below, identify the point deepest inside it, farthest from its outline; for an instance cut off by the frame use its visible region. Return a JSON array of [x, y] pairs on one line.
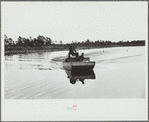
[[80, 75]]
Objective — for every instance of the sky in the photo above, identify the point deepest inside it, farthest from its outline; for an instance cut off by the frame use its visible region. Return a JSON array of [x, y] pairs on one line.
[[76, 21]]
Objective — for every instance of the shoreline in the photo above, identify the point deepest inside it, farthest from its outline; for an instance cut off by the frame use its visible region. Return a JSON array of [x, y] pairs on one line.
[[13, 52], [26, 51]]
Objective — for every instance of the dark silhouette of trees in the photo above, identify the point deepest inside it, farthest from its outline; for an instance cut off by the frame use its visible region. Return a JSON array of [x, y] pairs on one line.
[[41, 41], [8, 41], [48, 41], [26, 42], [19, 42]]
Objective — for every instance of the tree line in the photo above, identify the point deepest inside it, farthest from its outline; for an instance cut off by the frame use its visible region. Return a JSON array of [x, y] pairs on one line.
[[46, 41], [102, 43], [21, 41]]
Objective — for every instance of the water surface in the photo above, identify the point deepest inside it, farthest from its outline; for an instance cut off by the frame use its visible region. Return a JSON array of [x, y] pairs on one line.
[[119, 73]]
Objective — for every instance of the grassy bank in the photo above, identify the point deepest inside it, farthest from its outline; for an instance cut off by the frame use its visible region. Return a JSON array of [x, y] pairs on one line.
[[10, 50]]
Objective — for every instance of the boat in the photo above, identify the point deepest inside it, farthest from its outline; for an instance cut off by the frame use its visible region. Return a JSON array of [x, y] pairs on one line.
[[73, 64]]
